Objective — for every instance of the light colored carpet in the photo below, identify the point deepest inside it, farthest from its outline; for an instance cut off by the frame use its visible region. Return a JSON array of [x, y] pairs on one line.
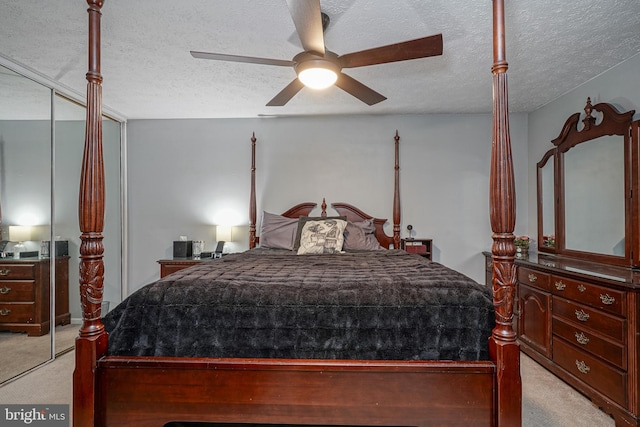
[[19, 352], [546, 401]]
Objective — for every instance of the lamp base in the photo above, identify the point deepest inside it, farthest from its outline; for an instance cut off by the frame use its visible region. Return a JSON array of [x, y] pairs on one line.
[[19, 247]]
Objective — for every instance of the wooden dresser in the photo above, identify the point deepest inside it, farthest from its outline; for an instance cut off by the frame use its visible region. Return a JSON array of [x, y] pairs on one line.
[[581, 321], [25, 295]]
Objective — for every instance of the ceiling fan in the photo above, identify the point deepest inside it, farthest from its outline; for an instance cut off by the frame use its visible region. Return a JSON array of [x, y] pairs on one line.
[[319, 68]]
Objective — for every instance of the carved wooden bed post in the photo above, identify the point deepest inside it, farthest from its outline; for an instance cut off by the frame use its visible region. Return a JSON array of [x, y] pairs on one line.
[[252, 197], [91, 343], [396, 194], [503, 346]]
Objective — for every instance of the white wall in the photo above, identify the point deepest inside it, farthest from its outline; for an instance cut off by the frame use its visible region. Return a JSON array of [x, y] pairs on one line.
[[183, 174], [619, 86]]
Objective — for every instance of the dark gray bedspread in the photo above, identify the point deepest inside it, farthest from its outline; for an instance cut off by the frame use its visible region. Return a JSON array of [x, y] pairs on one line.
[[269, 303]]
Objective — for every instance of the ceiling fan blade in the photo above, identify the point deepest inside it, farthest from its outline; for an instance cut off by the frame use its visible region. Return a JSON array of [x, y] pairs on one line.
[[357, 89], [412, 49], [286, 94], [308, 21], [238, 58]]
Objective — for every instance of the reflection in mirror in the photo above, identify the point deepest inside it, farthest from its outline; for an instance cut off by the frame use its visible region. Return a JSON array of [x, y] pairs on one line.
[[594, 176], [69, 140], [25, 198], [546, 197]]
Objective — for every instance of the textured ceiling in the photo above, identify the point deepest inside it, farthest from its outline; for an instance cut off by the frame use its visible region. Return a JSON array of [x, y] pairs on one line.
[[552, 47]]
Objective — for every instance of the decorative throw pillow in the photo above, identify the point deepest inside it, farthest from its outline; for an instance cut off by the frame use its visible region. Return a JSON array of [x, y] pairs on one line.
[[303, 219], [361, 236], [324, 236], [277, 231]]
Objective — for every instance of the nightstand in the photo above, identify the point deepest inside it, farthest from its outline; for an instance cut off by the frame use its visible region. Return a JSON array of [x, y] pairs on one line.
[[417, 246], [168, 266]]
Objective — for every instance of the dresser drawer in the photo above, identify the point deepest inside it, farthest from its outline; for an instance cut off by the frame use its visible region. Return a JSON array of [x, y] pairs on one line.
[[603, 377], [533, 278], [17, 291], [586, 340], [17, 271], [600, 297], [590, 318], [17, 313]]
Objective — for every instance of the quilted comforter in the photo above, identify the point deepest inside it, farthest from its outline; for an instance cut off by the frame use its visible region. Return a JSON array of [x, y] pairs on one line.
[[385, 304]]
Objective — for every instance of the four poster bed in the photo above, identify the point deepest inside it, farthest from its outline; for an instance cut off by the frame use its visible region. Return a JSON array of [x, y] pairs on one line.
[[385, 338]]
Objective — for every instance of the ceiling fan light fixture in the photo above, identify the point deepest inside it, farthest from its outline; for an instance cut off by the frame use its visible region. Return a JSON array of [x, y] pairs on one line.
[[318, 73], [317, 78]]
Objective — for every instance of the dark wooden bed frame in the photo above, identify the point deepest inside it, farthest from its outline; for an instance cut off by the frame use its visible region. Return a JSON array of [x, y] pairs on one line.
[[150, 391]]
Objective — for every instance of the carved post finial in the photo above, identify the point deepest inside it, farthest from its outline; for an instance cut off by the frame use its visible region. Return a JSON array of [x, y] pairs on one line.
[[588, 120]]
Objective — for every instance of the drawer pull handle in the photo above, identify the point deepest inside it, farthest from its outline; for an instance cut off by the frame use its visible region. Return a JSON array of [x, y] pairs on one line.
[[582, 367], [5, 272], [532, 277], [560, 286], [5, 312], [581, 288], [5, 290], [607, 299], [582, 338], [582, 316]]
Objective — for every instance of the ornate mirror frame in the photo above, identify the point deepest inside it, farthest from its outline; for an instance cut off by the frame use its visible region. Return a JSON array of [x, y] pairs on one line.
[[612, 123]]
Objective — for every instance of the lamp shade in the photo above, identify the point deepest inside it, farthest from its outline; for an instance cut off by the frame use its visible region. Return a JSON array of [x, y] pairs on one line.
[[223, 233], [19, 233]]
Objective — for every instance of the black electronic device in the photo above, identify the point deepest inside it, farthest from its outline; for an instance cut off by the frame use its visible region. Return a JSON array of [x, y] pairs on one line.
[[182, 248], [219, 248]]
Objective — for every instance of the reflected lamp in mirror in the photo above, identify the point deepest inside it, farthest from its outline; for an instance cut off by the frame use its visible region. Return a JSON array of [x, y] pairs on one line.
[[19, 234]]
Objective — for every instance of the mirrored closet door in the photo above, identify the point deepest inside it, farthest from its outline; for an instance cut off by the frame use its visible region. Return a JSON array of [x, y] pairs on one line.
[[25, 200], [41, 143]]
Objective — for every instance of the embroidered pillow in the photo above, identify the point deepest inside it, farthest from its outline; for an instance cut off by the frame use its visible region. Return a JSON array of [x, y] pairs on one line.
[[321, 236], [303, 219]]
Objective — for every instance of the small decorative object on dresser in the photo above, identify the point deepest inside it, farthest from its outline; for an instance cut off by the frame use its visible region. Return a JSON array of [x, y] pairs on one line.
[[417, 246], [522, 246]]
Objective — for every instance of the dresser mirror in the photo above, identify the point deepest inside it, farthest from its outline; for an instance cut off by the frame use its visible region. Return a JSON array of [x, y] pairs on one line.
[[42, 135], [594, 196], [546, 205], [588, 176]]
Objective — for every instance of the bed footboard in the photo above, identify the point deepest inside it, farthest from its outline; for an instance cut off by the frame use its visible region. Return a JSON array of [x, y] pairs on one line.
[[146, 391]]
